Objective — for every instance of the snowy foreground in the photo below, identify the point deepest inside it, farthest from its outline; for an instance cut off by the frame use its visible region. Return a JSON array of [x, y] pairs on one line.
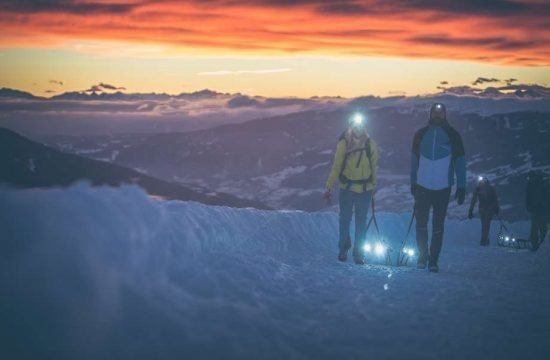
[[111, 274]]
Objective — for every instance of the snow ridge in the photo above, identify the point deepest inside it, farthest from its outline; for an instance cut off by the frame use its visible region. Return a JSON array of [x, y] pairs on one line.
[[110, 273]]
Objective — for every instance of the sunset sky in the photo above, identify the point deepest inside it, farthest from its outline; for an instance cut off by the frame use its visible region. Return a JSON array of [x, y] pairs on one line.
[[271, 47]]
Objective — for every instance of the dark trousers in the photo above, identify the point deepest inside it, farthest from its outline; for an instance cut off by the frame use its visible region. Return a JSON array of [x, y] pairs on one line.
[[539, 227], [425, 200], [348, 201], [485, 216]]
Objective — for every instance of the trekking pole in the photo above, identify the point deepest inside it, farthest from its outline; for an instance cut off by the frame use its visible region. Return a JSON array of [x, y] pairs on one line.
[[402, 256]]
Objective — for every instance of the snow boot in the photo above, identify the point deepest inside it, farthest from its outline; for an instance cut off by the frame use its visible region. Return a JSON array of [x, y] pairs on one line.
[[358, 257], [421, 265], [421, 262], [433, 268], [343, 255]]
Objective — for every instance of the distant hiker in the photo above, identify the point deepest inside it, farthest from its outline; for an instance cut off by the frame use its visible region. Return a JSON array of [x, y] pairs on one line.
[[488, 207], [437, 155], [538, 205], [355, 167]]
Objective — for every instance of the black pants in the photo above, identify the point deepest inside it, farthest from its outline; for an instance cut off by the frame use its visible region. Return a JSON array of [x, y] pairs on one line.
[[539, 227], [425, 200], [485, 215]]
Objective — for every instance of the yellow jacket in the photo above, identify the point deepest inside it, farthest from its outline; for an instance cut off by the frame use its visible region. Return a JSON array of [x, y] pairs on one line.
[[355, 146]]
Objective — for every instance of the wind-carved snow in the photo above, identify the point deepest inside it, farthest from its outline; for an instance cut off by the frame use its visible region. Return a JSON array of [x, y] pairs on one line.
[[273, 181], [326, 152], [88, 151], [111, 273], [141, 170], [31, 165], [322, 164]]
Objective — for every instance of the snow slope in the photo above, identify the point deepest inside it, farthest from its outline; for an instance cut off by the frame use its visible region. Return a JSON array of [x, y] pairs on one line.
[[102, 273]]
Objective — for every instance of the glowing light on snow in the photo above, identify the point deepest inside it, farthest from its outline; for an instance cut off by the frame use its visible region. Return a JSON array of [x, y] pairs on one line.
[[379, 249], [506, 238], [367, 248]]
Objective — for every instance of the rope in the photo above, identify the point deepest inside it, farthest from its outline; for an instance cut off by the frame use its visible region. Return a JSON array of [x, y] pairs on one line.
[[402, 256]]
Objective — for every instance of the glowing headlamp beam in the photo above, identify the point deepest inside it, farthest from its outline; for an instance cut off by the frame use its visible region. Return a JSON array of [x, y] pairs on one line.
[[358, 119]]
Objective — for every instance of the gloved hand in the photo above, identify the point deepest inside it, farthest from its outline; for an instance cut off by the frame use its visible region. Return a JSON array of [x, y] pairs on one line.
[[470, 214], [413, 190], [327, 196], [460, 195]]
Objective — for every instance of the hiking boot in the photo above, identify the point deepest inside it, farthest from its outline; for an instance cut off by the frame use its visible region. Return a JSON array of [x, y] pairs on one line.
[[421, 265], [343, 255], [358, 257], [421, 262]]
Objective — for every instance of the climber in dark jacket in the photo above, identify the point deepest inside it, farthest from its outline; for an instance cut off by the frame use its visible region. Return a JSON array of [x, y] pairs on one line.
[[538, 205], [488, 207], [437, 156]]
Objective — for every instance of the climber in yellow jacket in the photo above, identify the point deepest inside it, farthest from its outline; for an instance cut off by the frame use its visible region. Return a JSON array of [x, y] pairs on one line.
[[354, 167]]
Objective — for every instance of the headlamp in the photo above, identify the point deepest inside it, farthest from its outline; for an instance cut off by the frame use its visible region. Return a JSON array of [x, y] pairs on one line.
[[357, 119]]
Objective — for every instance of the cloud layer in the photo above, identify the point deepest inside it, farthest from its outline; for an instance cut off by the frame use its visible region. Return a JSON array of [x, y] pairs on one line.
[[499, 31]]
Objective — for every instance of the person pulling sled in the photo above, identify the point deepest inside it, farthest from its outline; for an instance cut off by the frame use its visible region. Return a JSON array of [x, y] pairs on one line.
[[488, 207], [354, 166]]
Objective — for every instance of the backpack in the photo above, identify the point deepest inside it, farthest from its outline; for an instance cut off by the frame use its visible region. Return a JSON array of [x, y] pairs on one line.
[[367, 148]]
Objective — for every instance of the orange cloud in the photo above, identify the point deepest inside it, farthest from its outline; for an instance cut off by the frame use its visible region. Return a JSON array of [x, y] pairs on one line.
[[497, 31]]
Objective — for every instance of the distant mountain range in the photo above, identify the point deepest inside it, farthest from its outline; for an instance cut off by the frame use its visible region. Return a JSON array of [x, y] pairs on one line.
[[510, 91], [27, 164], [284, 161], [100, 113], [83, 95], [6, 93], [92, 113]]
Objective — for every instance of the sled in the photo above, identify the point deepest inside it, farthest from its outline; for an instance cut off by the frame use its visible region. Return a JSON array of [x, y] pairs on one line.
[[505, 238]]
